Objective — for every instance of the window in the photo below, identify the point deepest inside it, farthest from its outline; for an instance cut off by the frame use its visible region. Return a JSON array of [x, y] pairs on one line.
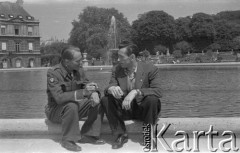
[[2, 16], [5, 63], [31, 62], [3, 29], [10, 16], [30, 46], [17, 47], [4, 46], [16, 30], [18, 63], [30, 31], [20, 17], [29, 17]]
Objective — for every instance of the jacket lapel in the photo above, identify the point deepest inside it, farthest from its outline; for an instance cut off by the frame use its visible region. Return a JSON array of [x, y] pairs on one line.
[[139, 76], [122, 79], [123, 84]]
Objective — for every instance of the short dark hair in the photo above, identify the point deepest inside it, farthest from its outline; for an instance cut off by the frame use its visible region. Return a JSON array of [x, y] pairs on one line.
[[67, 52], [128, 45]]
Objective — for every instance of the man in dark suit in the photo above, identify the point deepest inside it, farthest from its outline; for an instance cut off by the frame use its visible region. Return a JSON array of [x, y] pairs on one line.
[[72, 97], [133, 93]]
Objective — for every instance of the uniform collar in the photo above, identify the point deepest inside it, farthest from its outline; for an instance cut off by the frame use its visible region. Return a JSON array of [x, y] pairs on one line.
[[63, 69]]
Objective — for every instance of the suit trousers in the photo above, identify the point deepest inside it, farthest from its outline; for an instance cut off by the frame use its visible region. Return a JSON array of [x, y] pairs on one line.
[[147, 111], [70, 113]]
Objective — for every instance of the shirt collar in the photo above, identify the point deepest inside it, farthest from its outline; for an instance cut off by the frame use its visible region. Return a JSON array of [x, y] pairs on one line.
[[134, 71]]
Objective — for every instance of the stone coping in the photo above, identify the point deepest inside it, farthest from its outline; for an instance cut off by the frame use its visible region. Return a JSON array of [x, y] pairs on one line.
[[14, 127], [102, 67]]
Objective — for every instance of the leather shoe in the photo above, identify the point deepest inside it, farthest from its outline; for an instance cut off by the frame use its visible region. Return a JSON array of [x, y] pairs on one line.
[[70, 145], [92, 140], [118, 143]]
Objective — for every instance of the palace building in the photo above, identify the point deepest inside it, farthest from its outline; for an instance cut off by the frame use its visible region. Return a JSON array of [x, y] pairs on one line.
[[19, 37]]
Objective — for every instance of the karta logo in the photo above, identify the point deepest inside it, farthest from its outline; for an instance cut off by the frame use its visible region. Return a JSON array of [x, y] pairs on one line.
[[154, 139]]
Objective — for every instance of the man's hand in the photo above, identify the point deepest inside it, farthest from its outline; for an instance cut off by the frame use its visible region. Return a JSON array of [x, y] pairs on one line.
[[91, 86], [116, 91], [89, 89], [95, 98], [126, 104]]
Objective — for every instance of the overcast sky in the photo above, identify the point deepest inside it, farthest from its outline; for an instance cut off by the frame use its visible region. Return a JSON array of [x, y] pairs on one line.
[[55, 16]]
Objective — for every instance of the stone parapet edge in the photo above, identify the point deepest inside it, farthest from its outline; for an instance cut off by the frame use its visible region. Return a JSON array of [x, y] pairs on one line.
[[14, 127]]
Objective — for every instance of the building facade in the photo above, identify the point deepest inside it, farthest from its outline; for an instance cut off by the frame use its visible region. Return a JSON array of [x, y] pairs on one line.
[[19, 37]]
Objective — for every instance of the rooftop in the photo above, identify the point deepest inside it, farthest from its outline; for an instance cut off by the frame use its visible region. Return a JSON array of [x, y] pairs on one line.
[[10, 10]]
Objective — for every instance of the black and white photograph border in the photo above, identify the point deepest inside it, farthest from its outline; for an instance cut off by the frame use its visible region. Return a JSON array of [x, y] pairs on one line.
[[195, 44]]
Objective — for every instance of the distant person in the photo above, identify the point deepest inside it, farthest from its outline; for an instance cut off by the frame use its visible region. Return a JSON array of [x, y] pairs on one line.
[[70, 98], [133, 93]]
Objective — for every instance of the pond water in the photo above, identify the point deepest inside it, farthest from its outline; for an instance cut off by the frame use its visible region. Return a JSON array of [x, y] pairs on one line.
[[189, 91]]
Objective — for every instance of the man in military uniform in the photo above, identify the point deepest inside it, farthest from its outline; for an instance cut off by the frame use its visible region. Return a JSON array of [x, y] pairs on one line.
[[70, 98]]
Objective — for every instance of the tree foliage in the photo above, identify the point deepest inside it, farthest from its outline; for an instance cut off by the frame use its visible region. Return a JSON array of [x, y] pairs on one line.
[[153, 28], [184, 46], [183, 30], [236, 43], [214, 47], [177, 54], [52, 53], [161, 49], [90, 32], [203, 31]]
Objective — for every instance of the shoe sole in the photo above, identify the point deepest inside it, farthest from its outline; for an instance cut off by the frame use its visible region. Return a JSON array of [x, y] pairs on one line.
[[125, 141], [71, 149]]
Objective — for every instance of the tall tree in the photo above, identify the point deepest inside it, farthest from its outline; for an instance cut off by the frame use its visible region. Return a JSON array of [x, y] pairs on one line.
[[161, 49], [90, 32], [227, 25], [153, 28], [52, 53], [184, 47], [183, 31], [203, 31]]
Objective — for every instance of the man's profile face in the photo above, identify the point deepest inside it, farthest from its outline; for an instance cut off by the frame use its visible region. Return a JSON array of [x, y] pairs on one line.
[[76, 62], [123, 59]]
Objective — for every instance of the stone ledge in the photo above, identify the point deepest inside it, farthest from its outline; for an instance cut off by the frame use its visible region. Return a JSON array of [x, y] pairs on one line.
[[14, 127]]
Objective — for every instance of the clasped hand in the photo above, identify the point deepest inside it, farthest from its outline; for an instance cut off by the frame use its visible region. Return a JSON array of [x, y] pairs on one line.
[[126, 104], [95, 98], [91, 90], [92, 86], [116, 91]]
